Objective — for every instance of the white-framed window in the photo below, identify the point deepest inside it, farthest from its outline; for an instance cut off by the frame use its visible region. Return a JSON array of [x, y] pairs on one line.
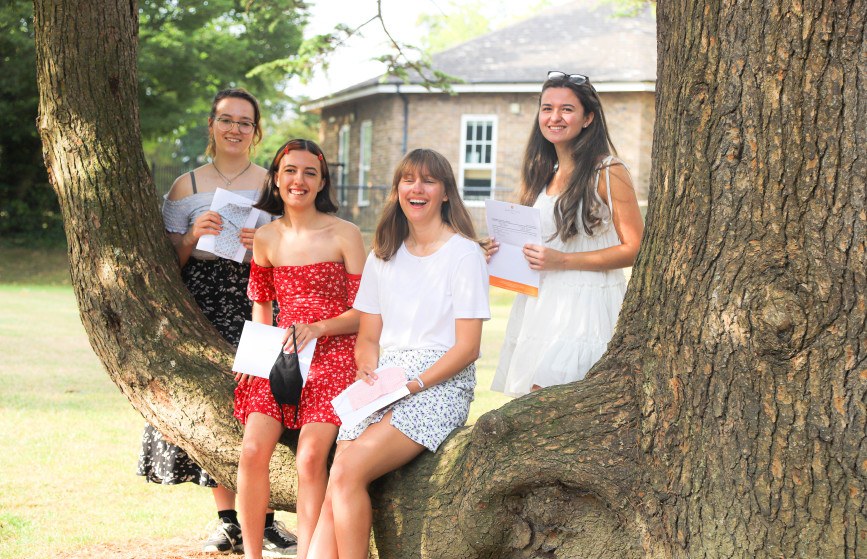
[[478, 166], [365, 154], [342, 163]]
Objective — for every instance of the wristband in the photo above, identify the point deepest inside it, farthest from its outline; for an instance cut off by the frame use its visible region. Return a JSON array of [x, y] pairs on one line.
[[420, 383]]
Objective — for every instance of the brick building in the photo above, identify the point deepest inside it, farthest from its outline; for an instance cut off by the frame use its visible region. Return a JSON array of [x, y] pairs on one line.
[[483, 128]]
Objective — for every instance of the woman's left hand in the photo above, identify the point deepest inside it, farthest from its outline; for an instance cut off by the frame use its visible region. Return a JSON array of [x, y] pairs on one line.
[[490, 246], [304, 334], [541, 257], [247, 234]]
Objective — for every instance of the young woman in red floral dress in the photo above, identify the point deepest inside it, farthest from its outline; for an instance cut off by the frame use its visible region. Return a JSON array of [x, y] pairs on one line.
[[310, 261]]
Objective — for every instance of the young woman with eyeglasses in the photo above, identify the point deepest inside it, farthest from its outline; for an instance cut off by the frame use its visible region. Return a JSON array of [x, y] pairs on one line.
[[219, 287], [591, 227], [310, 262]]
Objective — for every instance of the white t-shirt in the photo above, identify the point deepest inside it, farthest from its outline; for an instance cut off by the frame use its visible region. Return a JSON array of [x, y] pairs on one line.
[[419, 297]]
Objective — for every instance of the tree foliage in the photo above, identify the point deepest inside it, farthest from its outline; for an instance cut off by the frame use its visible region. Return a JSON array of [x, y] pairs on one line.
[[211, 45], [26, 200], [187, 52]]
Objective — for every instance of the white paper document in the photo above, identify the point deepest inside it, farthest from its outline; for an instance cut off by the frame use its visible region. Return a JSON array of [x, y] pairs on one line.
[[351, 416], [513, 225], [259, 347], [237, 212]]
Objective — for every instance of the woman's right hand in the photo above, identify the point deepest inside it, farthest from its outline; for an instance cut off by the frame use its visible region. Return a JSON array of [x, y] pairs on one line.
[[209, 223], [242, 378], [365, 373]]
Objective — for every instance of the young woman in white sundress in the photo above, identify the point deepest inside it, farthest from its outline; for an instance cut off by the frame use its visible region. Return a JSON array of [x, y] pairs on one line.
[[591, 228], [423, 297]]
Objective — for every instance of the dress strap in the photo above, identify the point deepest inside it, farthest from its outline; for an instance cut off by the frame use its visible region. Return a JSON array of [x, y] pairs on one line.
[[193, 179], [608, 162]]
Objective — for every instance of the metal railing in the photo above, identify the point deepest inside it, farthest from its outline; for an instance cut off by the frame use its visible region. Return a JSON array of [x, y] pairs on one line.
[[165, 175]]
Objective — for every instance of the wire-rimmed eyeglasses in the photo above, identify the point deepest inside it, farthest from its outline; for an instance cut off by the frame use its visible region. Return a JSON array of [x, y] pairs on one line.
[[226, 124]]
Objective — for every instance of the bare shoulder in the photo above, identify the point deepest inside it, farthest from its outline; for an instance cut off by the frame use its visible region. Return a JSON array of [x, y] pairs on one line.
[[347, 234], [181, 188], [264, 238], [621, 181], [619, 173], [267, 231], [346, 229], [351, 244], [259, 173]]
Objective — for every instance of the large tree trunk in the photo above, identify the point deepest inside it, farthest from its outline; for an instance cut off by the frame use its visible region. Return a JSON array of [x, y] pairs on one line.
[[146, 329], [749, 296], [729, 417]]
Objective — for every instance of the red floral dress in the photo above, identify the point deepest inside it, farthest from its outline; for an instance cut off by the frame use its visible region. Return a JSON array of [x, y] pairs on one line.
[[306, 294]]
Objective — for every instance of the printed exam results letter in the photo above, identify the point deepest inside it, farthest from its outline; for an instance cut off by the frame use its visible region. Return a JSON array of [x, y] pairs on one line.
[[513, 225]]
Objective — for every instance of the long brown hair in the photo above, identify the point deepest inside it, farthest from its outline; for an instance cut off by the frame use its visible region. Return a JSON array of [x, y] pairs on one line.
[[270, 201], [587, 149], [237, 93], [393, 227]]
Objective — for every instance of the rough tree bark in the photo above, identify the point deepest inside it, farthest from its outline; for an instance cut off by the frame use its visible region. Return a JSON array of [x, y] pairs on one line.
[[148, 332], [728, 418]]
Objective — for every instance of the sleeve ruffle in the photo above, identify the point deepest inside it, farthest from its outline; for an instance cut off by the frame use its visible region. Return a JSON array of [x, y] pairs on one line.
[[261, 285], [352, 283], [176, 215]]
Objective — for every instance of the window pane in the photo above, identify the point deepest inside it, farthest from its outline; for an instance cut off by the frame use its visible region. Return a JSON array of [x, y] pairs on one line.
[[488, 153], [477, 184], [469, 131], [490, 132]]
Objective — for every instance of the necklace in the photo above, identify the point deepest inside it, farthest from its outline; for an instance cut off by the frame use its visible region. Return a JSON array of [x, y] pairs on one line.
[[227, 179]]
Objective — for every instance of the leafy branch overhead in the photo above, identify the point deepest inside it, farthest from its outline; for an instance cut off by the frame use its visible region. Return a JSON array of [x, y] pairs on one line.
[[314, 53]]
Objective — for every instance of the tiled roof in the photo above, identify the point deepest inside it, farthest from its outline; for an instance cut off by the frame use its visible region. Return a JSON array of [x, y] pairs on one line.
[[583, 36]]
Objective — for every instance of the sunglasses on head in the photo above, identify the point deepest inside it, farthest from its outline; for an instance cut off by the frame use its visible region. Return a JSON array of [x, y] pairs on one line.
[[577, 79]]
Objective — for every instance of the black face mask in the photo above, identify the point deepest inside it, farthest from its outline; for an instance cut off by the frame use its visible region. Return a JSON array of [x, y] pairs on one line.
[[285, 378]]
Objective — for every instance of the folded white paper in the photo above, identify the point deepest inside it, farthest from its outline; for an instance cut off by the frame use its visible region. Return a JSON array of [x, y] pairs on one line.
[[350, 417], [236, 212], [513, 225], [259, 347]]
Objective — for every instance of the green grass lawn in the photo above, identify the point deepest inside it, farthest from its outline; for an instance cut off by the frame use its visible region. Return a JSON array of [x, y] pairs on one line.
[[71, 439]]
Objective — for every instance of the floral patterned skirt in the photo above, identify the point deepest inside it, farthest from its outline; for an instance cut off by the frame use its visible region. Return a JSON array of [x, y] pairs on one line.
[[429, 416]]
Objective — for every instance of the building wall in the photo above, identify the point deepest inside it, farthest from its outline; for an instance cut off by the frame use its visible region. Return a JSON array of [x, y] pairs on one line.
[[435, 122], [630, 118]]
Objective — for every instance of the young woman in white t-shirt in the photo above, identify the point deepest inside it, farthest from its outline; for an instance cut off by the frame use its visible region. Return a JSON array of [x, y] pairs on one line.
[[423, 298]]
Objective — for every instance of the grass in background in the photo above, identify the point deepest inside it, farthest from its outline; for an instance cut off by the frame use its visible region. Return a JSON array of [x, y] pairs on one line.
[[23, 265], [71, 439], [70, 444]]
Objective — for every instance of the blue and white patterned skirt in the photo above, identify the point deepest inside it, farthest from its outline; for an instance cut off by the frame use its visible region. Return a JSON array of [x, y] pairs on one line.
[[431, 415]]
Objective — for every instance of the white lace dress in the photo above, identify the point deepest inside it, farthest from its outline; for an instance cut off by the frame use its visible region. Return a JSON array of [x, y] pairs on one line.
[[556, 337]]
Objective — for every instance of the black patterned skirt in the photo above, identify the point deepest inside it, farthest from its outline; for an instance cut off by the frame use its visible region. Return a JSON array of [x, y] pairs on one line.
[[220, 289]]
